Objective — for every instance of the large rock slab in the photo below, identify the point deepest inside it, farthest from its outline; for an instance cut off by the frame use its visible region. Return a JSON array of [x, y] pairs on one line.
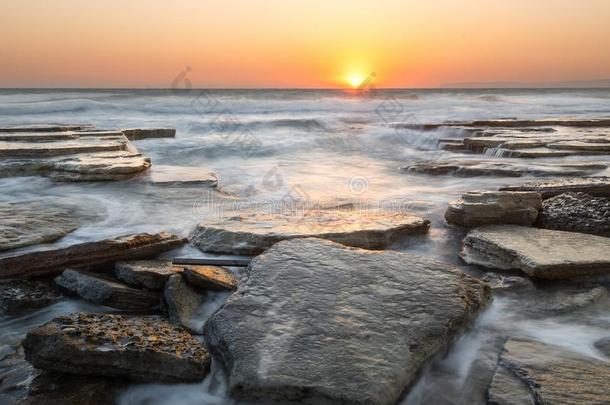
[[151, 274], [182, 176], [181, 301], [144, 348], [17, 296], [595, 186], [44, 128], [58, 148], [90, 255], [576, 212], [106, 291], [494, 207], [209, 277], [533, 372], [540, 253], [318, 322], [253, 233]]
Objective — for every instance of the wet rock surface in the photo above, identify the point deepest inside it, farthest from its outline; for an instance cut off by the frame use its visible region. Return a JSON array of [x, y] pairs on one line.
[[90, 255], [549, 374], [250, 234], [181, 302], [576, 212], [66, 389], [182, 176], [138, 348], [18, 296], [539, 253], [106, 291], [209, 277], [147, 133], [150, 274], [338, 324], [494, 207], [603, 345], [595, 186]]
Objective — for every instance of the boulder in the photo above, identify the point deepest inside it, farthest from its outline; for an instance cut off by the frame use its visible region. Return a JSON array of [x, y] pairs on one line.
[[595, 186], [181, 302], [576, 212], [539, 253], [17, 296], [318, 322], [90, 255], [250, 234], [494, 207], [214, 278], [531, 372], [105, 291], [182, 176], [150, 274], [138, 348]]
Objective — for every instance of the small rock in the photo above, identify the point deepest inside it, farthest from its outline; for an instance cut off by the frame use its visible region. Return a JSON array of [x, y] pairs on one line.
[[603, 345], [181, 301], [17, 296], [576, 212], [209, 277], [107, 292], [500, 282], [139, 348], [150, 274], [494, 207], [182, 176]]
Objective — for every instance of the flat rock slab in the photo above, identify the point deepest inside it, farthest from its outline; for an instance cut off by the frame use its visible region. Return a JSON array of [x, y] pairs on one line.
[[494, 207], [147, 133], [44, 128], [105, 291], [90, 255], [181, 302], [18, 296], [182, 176], [595, 186], [209, 277], [151, 274], [540, 253], [139, 348], [34, 222], [576, 212], [537, 373], [57, 148], [318, 322], [250, 234]]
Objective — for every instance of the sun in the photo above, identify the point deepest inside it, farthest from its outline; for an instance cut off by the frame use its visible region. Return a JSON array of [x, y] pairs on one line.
[[355, 79]]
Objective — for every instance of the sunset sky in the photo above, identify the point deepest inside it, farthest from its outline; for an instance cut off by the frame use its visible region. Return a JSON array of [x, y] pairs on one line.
[[314, 43]]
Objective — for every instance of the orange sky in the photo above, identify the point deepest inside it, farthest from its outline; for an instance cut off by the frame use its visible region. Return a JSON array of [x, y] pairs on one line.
[[289, 43]]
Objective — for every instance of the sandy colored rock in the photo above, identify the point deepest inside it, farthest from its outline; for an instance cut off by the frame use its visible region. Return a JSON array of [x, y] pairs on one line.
[[478, 208], [182, 176], [138, 348], [150, 274], [91, 255], [250, 234], [576, 212], [595, 186], [209, 277], [58, 148], [318, 322], [540, 253], [551, 374], [106, 291]]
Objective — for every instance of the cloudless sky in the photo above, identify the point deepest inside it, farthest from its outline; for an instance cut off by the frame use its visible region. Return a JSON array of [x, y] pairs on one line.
[[289, 43]]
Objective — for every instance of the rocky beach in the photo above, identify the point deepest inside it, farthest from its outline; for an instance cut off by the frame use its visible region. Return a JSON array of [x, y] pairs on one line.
[[321, 247]]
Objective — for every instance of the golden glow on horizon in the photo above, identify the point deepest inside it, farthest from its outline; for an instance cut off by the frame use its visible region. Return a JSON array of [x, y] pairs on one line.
[[355, 79], [289, 43]]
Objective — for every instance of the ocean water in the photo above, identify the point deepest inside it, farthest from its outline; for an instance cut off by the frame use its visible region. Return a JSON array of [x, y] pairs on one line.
[[318, 146]]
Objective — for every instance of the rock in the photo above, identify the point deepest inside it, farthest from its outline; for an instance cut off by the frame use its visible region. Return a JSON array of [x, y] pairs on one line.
[[580, 146], [90, 255], [494, 207], [318, 322], [17, 296], [209, 277], [499, 282], [251, 234], [146, 133], [551, 375], [67, 389], [182, 176], [539, 253], [34, 222], [595, 186], [105, 291], [603, 345], [562, 300], [44, 128], [150, 274], [58, 148], [576, 212], [139, 348], [181, 301], [515, 123]]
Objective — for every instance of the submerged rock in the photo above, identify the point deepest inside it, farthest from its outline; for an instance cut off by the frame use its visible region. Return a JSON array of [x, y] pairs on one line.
[[151, 274], [139, 348], [17, 296], [563, 299], [533, 372], [576, 212], [494, 207], [539, 253], [318, 322], [105, 291], [91, 255], [253, 233], [595, 186], [209, 277], [181, 301]]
